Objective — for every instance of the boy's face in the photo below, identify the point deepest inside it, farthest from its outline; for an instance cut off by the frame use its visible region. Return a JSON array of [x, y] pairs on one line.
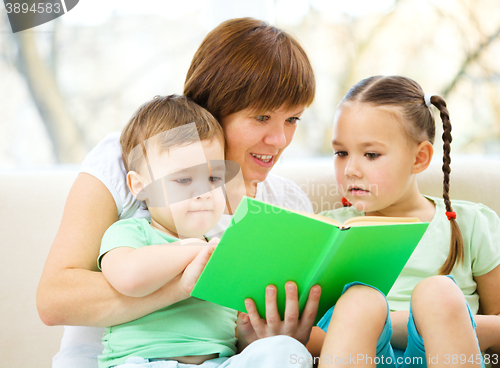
[[190, 186]]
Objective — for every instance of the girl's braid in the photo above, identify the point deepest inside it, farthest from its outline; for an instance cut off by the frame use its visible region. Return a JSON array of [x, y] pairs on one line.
[[456, 254]]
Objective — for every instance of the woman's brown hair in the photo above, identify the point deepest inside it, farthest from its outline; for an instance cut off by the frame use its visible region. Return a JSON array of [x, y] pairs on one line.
[[408, 97], [246, 63]]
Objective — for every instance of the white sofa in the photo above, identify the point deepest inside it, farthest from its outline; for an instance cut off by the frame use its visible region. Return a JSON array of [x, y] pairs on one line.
[[31, 205]]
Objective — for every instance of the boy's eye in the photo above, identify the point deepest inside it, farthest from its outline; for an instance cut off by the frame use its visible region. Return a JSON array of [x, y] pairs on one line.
[[340, 153], [262, 118], [372, 156], [215, 179], [184, 180], [293, 120]]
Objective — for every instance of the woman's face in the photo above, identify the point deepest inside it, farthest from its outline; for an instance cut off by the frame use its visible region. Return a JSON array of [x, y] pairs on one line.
[[255, 140]]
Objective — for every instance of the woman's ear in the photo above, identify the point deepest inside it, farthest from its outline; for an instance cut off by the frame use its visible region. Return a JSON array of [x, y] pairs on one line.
[[135, 184], [423, 157]]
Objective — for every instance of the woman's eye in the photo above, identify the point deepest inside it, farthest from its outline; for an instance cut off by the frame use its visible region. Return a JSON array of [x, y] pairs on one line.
[[372, 156], [293, 120], [262, 118], [340, 153], [183, 180]]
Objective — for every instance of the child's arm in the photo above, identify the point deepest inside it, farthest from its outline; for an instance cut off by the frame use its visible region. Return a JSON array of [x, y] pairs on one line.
[[315, 342], [488, 324], [142, 271]]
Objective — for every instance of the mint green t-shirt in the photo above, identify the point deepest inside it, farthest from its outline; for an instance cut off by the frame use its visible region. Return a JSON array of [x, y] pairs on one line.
[[480, 227], [189, 327]]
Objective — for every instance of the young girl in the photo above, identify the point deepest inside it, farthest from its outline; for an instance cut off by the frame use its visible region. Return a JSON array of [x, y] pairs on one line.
[[382, 137]]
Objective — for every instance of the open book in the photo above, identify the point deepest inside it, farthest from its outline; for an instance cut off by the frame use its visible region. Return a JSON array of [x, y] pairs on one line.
[[361, 221], [267, 244]]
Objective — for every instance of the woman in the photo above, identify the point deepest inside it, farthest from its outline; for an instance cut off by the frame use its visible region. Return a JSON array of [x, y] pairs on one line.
[[256, 80]]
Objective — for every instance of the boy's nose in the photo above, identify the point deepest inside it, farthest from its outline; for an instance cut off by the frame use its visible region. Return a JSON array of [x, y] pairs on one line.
[[200, 189], [205, 195]]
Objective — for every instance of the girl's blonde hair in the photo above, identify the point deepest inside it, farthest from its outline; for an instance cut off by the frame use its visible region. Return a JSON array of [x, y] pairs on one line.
[[407, 97]]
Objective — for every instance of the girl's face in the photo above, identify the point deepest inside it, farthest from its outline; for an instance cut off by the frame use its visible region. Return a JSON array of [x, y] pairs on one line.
[[256, 140], [374, 160]]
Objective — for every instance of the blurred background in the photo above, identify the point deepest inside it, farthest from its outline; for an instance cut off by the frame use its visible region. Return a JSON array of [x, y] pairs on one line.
[[68, 83]]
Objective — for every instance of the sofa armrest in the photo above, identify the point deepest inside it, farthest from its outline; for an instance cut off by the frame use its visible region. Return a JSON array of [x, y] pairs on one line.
[[31, 210]]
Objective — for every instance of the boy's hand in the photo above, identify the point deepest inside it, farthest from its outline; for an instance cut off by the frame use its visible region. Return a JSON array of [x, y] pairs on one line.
[[251, 327], [193, 270]]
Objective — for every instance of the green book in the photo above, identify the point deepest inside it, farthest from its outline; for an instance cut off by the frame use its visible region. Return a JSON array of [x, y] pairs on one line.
[[267, 244]]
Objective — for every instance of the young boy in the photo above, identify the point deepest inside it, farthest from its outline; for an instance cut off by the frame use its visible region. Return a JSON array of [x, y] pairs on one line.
[[173, 151]]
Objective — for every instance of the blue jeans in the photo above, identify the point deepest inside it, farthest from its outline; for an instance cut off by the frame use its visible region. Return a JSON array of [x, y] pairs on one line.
[[413, 356]]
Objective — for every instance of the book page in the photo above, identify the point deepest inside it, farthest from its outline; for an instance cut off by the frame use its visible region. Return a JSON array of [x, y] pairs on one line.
[[319, 218], [379, 220], [357, 221]]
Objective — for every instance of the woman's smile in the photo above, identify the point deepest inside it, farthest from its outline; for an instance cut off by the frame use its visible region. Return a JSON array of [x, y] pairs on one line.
[[264, 160], [256, 141]]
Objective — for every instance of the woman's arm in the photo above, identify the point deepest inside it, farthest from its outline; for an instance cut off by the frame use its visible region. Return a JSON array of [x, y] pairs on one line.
[[71, 290]]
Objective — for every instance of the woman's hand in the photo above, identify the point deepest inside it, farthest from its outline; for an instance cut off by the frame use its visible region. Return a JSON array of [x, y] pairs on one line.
[[251, 327]]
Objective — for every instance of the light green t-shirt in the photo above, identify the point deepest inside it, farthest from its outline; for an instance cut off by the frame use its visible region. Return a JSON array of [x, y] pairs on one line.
[[480, 227], [189, 327]]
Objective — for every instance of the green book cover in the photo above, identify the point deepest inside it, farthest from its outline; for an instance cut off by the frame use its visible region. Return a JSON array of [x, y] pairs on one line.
[[269, 245]]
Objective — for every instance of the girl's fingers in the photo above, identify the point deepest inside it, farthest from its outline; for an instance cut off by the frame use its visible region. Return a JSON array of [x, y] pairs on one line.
[[243, 321], [258, 324], [245, 331], [244, 325], [292, 326], [272, 316], [291, 309], [309, 313]]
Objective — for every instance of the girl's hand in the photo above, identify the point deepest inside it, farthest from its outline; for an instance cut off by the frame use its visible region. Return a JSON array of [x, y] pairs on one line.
[[251, 327], [193, 270]]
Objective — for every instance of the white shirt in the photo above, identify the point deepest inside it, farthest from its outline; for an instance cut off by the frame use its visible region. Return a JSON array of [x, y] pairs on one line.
[[80, 346]]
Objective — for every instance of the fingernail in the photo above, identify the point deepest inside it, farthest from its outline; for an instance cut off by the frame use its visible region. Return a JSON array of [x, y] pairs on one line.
[[290, 287], [270, 291], [247, 303]]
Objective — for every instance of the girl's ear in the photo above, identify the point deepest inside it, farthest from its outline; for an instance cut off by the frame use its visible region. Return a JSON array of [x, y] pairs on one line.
[[135, 183], [424, 152]]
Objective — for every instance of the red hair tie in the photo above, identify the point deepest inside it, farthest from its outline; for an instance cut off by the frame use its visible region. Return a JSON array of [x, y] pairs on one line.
[[345, 202], [451, 215]]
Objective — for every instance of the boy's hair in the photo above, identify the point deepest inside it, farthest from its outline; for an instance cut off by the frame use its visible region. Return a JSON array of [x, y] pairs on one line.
[[161, 115], [407, 97], [246, 63]]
